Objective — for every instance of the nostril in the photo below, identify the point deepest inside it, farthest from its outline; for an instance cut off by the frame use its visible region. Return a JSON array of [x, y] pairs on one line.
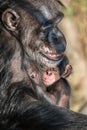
[[49, 73]]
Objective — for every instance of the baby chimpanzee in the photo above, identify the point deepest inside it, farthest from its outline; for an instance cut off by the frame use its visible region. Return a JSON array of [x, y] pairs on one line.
[[56, 86]]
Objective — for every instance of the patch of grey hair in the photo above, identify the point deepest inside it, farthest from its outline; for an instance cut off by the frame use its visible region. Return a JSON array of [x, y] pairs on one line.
[[45, 12]]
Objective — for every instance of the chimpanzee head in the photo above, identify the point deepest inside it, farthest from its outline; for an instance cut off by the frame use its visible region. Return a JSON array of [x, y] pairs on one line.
[[34, 28]]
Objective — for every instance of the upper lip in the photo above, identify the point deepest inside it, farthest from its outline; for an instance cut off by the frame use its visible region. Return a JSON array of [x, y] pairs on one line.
[[47, 79]]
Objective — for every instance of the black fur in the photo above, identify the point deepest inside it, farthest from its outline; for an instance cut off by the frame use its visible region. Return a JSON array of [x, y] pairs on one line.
[[21, 107]]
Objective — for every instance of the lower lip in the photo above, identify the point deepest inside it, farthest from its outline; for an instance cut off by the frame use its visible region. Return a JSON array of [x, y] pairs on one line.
[[56, 58]]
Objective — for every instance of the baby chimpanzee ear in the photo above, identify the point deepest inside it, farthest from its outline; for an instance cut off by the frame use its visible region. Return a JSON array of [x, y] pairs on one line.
[[67, 72]]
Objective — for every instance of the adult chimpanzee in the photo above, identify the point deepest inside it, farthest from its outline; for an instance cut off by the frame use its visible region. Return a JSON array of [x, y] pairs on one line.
[[28, 32]]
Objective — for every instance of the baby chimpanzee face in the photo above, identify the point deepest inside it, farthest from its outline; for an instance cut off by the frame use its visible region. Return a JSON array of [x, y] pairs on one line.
[[50, 75]]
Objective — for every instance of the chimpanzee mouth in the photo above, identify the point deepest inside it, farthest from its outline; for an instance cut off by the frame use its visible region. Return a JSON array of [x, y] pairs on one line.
[[50, 53], [52, 56]]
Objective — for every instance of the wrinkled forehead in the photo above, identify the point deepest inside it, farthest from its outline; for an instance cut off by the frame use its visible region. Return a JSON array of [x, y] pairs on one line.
[[54, 69], [41, 10]]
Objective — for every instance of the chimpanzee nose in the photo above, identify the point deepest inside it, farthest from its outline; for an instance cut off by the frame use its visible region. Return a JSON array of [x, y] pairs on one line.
[[49, 73], [57, 40], [54, 36], [47, 27]]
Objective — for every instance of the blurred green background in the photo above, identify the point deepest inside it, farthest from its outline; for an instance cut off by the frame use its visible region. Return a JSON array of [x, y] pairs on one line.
[[74, 26]]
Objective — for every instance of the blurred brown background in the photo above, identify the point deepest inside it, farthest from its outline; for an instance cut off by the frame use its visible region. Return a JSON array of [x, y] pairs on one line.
[[74, 26]]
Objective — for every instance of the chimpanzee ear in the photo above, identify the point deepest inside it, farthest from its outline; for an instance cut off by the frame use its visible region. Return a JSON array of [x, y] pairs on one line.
[[67, 72], [59, 17], [10, 19]]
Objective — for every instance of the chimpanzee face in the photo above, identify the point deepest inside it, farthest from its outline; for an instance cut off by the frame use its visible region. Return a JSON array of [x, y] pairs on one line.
[[44, 42], [36, 28]]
